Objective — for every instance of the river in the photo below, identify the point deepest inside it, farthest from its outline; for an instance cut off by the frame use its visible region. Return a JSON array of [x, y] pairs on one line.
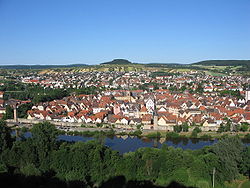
[[126, 144]]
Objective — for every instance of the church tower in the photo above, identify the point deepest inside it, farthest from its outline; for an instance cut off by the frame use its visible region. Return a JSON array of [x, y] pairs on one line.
[[155, 119], [155, 116], [247, 95]]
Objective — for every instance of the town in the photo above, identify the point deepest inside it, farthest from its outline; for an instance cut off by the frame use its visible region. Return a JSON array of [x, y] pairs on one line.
[[147, 100]]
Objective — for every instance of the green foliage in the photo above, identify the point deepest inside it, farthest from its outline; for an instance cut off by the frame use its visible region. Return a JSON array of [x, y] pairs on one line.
[[245, 165], [154, 135], [177, 128], [221, 128], [199, 89], [44, 139], [172, 135], [224, 62], [247, 136], [92, 163], [118, 62], [195, 132], [206, 136], [22, 110], [244, 127], [30, 170], [231, 93], [181, 128], [5, 136], [229, 152], [136, 133], [3, 167], [180, 176], [9, 113]]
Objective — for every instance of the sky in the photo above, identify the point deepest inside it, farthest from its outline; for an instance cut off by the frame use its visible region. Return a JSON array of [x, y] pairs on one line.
[[142, 31]]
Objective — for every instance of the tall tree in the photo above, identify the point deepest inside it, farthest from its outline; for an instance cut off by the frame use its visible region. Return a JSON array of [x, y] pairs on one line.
[[44, 139], [229, 151], [5, 136]]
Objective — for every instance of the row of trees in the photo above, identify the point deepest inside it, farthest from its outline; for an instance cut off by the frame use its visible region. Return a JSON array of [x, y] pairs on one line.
[[94, 164]]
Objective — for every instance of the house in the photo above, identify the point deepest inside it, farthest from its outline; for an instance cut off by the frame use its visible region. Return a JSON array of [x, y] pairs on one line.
[[1, 94], [150, 104], [147, 119], [143, 111], [124, 121], [209, 125]]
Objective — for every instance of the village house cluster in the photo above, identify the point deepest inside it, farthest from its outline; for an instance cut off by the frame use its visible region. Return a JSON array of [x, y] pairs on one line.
[[2, 106], [138, 80], [144, 99], [159, 109]]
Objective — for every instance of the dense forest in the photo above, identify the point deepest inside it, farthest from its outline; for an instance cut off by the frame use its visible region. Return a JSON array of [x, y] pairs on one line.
[[224, 63], [43, 161], [118, 62]]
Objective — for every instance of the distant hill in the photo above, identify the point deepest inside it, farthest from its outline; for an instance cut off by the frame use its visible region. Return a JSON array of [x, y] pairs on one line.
[[40, 66], [117, 62], [224, 63]]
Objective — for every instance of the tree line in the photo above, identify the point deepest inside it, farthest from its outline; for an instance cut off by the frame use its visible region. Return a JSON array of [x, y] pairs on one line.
[[92, 164]]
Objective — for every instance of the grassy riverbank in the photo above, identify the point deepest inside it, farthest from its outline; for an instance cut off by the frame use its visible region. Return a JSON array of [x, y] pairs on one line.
[[110, 132], [205, 135]]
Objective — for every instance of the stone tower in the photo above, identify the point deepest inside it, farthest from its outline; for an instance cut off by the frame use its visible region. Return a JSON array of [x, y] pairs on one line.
[[247, 95]]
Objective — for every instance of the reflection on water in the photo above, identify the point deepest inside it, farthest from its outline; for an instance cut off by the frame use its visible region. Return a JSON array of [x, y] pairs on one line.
[[128, 144]]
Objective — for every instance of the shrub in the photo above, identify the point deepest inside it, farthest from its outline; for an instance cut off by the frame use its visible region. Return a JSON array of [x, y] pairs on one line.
[[172, 135], [30, 170], [206, 136]]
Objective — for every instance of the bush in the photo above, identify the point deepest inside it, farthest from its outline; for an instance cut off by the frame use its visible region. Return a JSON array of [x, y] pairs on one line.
[[247, 136], [177, 128], [99, 124], [154, 135], [206, 136], [136, 133], [180, 175], [197, 129], [244, 127], [172, 135], [30, 170], [195, 132], [83, 125]]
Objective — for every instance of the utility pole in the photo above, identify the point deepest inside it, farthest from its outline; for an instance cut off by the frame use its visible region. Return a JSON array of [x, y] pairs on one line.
[[213, 176]]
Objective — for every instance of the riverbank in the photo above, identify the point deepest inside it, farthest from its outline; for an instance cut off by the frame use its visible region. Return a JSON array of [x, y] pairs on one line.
[[111, 132], [208, 135]]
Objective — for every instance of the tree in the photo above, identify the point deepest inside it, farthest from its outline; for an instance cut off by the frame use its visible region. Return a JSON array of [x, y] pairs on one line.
[[30, 170], [244, 127], [44, 139], [229, 151], [185, 127], [5, 136], [22, 110], [195, 132], [245, 165], [177, 128], [221, 128], [9, 113]]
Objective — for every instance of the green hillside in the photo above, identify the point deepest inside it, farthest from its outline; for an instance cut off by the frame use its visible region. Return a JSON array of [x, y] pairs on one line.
[[224, 63], [117, 62]]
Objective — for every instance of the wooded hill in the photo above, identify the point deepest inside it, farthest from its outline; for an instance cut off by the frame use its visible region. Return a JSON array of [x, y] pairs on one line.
[[224, 63]]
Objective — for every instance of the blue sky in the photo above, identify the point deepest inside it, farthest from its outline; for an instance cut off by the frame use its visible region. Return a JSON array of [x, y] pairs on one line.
[[96, 31]]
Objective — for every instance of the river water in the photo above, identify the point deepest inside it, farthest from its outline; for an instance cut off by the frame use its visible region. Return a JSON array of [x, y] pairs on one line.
[[126, 144]]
